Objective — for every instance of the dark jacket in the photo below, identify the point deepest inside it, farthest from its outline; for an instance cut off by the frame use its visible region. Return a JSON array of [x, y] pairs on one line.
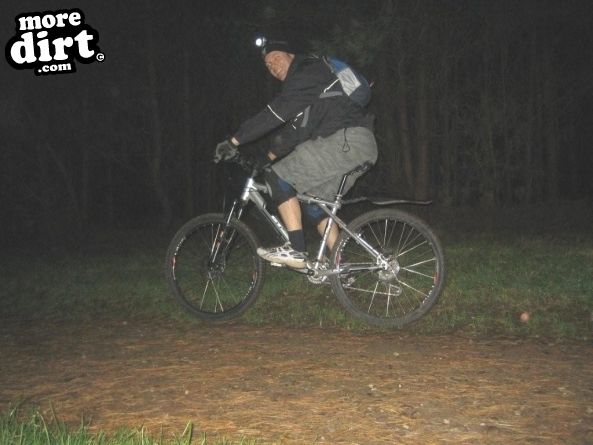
[[299, 107]]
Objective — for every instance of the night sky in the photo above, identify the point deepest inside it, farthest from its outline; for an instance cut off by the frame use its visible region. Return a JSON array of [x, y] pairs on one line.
[[497, 94]]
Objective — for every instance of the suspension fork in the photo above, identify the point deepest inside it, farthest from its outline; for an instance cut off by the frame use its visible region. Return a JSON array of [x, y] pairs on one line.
[[236, 210]]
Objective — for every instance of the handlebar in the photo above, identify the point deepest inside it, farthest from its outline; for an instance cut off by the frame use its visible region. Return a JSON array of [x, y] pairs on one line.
[[248, 163]]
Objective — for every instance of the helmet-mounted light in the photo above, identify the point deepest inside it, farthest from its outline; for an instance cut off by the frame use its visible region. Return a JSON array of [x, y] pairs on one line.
[[260, 42], [267, 46]]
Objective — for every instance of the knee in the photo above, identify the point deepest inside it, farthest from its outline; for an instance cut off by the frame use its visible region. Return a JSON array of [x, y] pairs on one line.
[[314, 214], [280, 190]]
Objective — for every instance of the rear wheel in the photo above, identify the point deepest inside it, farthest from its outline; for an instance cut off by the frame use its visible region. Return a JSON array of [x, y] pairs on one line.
[[404, 290], [213, 269]]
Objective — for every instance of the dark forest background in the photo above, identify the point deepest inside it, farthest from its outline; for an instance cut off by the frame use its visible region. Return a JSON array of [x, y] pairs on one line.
[[479, 104]]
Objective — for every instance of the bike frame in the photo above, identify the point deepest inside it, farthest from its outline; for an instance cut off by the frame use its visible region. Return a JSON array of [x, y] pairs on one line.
[[252, 192]]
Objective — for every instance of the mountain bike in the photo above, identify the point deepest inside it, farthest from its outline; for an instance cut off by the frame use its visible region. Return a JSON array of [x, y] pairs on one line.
[[386, 268]]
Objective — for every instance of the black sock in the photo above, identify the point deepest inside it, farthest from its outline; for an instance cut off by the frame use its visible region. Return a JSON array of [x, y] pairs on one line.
[[297, 239]]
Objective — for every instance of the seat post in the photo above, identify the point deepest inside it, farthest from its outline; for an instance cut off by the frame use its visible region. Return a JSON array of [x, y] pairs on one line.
[[360, 169], [343, 184]]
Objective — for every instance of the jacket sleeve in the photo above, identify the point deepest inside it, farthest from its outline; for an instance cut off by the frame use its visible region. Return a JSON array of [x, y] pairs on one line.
[[298, 92], [284, 141]]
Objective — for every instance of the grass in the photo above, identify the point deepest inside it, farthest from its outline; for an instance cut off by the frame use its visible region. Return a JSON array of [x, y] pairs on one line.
[[120, 277], [495, 273], [17, 428], [492, 282]]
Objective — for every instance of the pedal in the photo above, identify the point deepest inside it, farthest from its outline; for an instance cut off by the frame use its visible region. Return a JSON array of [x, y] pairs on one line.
[[276, 264]]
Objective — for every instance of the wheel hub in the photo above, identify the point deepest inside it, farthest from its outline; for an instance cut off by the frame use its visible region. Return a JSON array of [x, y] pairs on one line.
[[216, 268], [391, 272]]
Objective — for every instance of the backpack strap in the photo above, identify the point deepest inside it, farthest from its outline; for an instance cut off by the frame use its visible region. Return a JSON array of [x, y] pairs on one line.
[[326, 93]]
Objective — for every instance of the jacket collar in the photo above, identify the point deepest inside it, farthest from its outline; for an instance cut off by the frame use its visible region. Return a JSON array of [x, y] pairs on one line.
[[298, 59]]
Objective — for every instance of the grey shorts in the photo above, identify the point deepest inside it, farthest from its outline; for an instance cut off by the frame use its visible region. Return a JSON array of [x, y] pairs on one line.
[[316, 166]]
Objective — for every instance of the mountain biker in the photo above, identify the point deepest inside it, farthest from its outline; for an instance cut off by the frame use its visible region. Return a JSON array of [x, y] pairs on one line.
[[324, 136]]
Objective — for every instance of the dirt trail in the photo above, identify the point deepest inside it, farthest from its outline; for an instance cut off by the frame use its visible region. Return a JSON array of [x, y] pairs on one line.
[[302, 386]]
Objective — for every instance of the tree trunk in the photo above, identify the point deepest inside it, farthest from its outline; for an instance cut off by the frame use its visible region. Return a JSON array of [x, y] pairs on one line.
[[85, 163], [422, 189], [157, 143], [551, 127], [188, 145], [67, 176], [404, 134], [508, 146], [530, 133]]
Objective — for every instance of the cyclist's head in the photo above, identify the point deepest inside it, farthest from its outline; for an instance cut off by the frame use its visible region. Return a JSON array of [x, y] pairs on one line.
[[277, 55]]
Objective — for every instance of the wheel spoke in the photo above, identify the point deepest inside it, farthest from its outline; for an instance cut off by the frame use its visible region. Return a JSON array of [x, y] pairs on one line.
[[217, 302], [373, 297], [413, 288], [388, 243], [419, 263], [204, 293], [417, 272], [400, 254], [375, 235]]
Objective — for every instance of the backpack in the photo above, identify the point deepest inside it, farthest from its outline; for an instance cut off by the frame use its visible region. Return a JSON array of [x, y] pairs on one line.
[[354, 84]]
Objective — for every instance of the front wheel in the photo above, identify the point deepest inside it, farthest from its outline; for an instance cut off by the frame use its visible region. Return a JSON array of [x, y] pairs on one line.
[[212, 267], [404, 289]]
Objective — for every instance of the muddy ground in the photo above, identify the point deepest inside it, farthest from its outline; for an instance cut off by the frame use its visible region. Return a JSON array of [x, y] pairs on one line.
[[301, 385]]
